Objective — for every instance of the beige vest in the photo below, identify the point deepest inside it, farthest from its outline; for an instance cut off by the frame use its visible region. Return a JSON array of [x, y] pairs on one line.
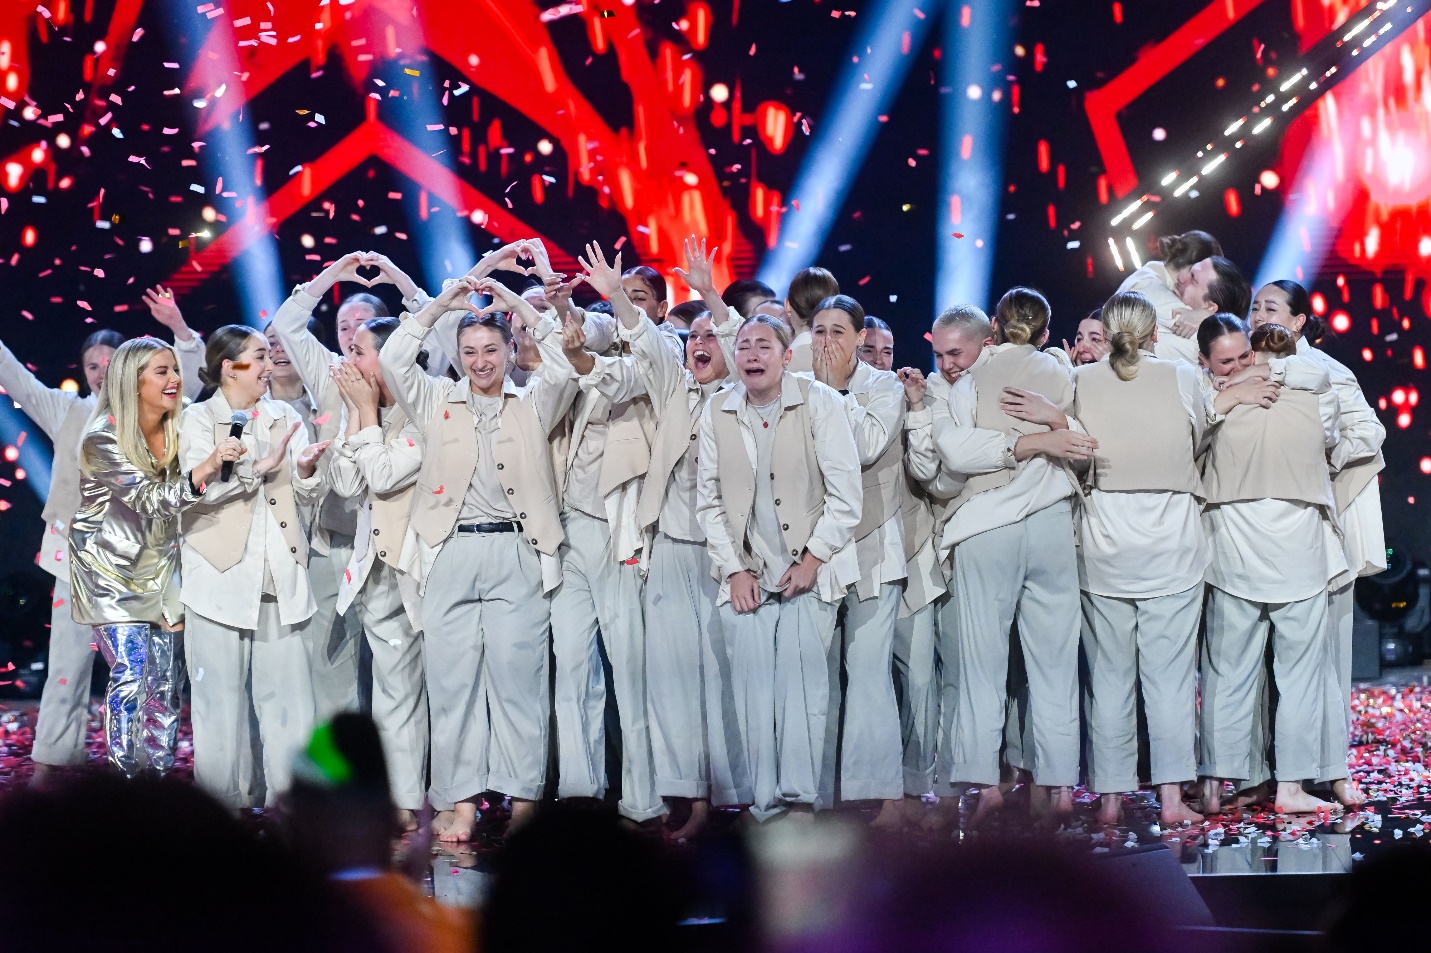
[[676, 432], [64, 497], [918, 515], [799, 488], [630, 428], [1277, 453], [219, 533], [1349, 481], [882, 482], [1145, 439], [523, 468], [388, 512], [1025, 367]]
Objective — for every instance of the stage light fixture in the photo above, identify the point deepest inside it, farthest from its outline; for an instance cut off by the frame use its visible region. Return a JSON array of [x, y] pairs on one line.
[[845, 136], [1327, 62]]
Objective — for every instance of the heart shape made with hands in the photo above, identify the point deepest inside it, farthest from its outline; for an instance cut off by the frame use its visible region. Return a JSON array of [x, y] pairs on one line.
[[366, 282]]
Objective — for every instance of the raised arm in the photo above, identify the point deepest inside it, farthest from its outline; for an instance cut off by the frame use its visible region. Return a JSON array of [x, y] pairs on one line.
[[46, 406], [606, 279], [554, 386], [699, 277], [418, 394], [188, 346]]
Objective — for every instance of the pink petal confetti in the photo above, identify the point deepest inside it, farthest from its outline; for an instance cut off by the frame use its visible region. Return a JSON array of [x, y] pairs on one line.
[[321, 420]]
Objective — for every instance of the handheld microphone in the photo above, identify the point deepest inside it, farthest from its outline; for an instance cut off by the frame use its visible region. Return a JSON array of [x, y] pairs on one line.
[[235, 430]]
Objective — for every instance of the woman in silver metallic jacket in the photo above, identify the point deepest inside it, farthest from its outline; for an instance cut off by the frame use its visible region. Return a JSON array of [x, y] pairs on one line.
[[124, 548]]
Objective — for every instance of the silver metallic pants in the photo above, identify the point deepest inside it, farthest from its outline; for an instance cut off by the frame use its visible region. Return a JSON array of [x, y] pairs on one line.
[[141, 705]]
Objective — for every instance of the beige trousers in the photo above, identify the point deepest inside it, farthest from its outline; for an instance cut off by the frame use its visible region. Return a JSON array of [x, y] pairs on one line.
[[600, 599], [871, 753], [786, 680], [1147, 645], [485, 650], [399, 687], [251, 705], [916, 687], [332, 640], [1026, 571], [64, 701], [1233, 684], [695, 741]]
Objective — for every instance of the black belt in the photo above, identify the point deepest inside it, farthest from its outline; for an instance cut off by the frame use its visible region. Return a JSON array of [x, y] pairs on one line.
[[506, 526]]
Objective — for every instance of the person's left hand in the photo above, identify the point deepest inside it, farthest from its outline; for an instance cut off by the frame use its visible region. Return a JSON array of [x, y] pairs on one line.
[[1034, 408]]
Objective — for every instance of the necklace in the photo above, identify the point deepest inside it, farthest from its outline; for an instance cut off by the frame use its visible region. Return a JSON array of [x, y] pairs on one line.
[[768, 413]]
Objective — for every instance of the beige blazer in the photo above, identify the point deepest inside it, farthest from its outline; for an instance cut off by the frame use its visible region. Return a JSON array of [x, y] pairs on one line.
[[219, 531]]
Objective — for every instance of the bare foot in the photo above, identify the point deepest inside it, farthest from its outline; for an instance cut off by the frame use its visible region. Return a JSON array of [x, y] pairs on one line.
[[943, 815], [1173, 811], [441, 821], [44, 777], [522, 812], [1250, 797], [1110, 809], [1210, 801], [990, 801], [1039, 804], [464, 819], [406, 820], [891, 816], [1347, 792], [700, 813], [1060, 801], [1291, 799]]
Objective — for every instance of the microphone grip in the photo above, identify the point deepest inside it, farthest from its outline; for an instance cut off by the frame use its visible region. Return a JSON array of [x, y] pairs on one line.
[[226, 472]]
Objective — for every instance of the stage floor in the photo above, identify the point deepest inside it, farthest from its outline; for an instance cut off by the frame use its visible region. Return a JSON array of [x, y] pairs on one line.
[[1390, 732]]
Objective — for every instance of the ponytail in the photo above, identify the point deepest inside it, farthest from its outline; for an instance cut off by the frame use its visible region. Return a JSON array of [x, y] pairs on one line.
[[1022, 316], [1128, 320]]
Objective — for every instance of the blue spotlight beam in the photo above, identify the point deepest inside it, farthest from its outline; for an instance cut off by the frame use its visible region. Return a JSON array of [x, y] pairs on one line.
[[444, 243], [258, 272], [1299, 245], [843, 137], [972, 186]]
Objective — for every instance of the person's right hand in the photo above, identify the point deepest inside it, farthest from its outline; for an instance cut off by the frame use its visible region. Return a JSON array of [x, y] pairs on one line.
[[1187, 320], [915, 386], [356, 390], [605, 278], [228, 450], [698, 273], [1059, 444], [744, 591], [344, 269], [1255, 392]]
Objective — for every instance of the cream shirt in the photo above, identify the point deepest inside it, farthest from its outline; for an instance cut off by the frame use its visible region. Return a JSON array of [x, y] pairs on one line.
[[484, 501], [1037, 484], [832, 537], [232, 597], [1277, 551], [368, 463], [1140, 545], [876, 424], [655, 368], [1360, 437], [801, 353]]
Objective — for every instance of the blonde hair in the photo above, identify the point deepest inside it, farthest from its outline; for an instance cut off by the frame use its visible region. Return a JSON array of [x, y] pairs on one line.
[[1021, 316], [776, 326], [119, 402], [1129, 319], [969, 319]]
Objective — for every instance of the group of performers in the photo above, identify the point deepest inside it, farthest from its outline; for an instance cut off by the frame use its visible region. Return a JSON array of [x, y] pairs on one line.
[[799, 576]]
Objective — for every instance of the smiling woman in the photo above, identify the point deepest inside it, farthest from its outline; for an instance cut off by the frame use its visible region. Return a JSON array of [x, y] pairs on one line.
[[124, 547]]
